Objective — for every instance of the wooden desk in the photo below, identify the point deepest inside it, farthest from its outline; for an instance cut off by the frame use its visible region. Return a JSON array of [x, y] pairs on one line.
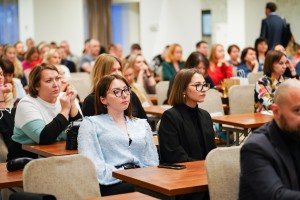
[[157, 110], [153, 98], [56, 149], [167, 182], [10, 179], [241, 123], [131, 196]]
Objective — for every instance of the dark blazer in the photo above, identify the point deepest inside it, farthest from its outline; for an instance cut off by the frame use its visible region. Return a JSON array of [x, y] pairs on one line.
[[178, 140], [267, 168], [88, 106], [272, 29]]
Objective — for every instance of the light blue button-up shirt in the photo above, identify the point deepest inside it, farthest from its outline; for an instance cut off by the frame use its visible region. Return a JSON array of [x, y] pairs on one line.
[[107, 145]]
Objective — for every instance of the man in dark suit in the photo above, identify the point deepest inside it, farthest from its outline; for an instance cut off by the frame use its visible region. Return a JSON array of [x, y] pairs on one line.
[[273, 26], [270, 158]]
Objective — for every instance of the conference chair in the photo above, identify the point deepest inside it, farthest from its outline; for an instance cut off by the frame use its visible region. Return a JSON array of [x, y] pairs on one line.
[[241, 99], [253, 77], [223, 172], [82, 83], [161, 91], [212, 103], [71, 177]]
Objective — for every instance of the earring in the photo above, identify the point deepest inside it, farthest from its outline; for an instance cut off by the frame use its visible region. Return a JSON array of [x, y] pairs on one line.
[[184, 96]]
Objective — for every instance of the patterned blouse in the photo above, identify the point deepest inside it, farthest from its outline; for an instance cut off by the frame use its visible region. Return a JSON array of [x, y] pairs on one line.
[[265, 88]]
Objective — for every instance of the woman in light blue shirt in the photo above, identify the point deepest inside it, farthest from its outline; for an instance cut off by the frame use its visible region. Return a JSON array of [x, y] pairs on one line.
[[113, 139]]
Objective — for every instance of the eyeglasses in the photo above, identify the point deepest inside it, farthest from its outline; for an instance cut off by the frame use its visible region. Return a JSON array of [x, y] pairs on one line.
[[200, 87], [119, 92]]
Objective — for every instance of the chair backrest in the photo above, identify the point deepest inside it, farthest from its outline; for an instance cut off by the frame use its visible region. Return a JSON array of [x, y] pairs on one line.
[[66, 177], [223, 172], [161, 91], [253, 77], [212, 102], [241, 99], [82, 83]]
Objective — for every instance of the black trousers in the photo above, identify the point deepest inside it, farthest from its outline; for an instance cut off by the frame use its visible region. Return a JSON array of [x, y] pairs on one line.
[[118, 188]]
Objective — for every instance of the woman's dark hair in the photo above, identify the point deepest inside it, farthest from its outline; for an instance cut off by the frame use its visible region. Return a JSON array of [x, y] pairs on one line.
[[101, 91], [194, 59], [31, 51], [181, 82], [35, 77], [272, 57], [7, 66], [257, 42], [231, 47], [244, 53]]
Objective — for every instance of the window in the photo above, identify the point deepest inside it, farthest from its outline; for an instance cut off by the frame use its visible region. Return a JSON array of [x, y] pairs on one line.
[[206, 23], [9, 22]]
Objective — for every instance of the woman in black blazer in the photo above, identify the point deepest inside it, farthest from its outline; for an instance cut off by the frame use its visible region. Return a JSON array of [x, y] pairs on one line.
[[186, 131]]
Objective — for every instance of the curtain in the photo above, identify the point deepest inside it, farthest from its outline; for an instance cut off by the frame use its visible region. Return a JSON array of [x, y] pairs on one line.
[[99, 20]]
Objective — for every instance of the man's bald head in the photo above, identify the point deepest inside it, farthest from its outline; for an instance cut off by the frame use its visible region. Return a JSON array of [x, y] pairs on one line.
[[281, 94]]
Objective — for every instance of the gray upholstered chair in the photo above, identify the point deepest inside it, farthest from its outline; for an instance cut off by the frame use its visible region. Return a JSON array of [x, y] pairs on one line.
[[241, 99], [161, 91], [253, 77], [212, 103], [223, 173], [70, 177]]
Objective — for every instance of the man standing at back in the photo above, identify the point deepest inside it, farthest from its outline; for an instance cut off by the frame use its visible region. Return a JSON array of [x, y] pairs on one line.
[[270, 164], [273, 26]]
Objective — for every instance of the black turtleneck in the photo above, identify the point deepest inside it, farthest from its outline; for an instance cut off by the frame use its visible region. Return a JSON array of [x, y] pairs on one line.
[[193, 113]]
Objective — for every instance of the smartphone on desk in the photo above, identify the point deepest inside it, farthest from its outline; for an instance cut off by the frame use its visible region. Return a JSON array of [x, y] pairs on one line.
[[171, 166]]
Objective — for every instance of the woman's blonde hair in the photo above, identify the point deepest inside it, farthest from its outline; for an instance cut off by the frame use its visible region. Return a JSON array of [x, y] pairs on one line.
[[213, 53], [171, 50], [18, 69], [49, 54], [103, 66]]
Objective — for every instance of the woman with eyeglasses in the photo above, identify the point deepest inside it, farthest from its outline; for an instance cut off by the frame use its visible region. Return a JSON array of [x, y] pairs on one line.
[[113, 139], [186, 131]]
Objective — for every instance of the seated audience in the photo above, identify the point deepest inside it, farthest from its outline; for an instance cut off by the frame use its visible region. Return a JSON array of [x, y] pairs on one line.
[[270, 165], [142, 74], [249, 63], [113, 139], [69, 55], [105, 65], [186, 131], [265, 87], [17, 87], [173, 62], [202, 47], [87, 61], [261, 49], [20, 50], [218, 69], [157, 61], [290, 71], [42, 117], [198, 61], [234, 54], [140, 92], [10, 54], [29, 43], [52, 57], [31, 56], [134, 49], [5, 91], [64, 61]]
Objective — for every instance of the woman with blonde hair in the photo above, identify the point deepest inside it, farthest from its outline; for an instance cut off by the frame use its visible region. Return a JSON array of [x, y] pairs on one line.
[[129, 75], [10, 54], [173, 62], [219, 68], [142, 74], [106, 64]]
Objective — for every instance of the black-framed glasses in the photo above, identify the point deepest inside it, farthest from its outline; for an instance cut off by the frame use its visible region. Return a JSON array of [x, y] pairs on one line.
[[119, 92], [200, 87]]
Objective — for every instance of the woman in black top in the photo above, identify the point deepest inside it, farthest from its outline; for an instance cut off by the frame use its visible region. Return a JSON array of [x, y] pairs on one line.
[[106, 64]]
